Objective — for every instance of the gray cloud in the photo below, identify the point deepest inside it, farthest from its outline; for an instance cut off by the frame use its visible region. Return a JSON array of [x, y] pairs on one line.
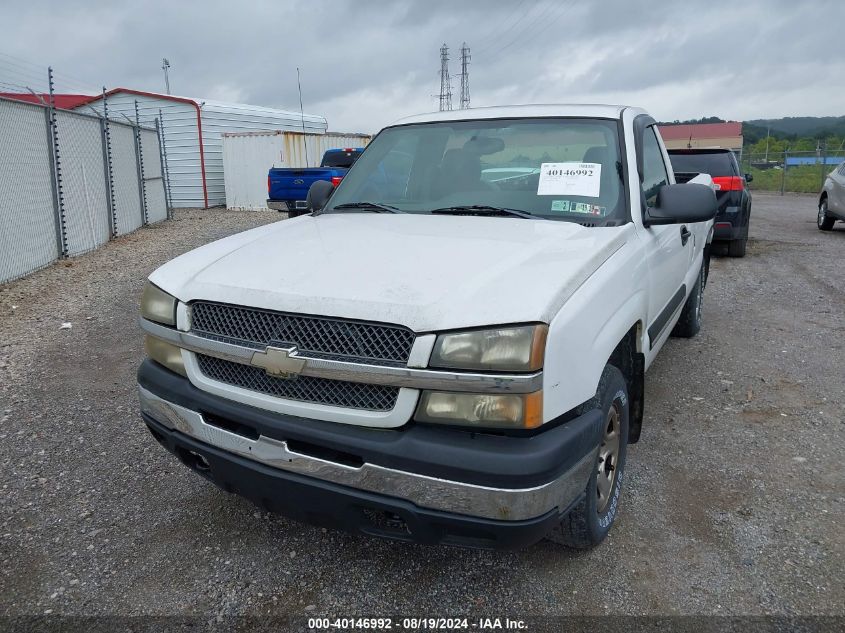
[[366, 63]]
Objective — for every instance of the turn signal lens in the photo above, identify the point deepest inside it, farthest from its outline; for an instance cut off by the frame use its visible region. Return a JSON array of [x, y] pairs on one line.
[[513, 411], [165, 354]]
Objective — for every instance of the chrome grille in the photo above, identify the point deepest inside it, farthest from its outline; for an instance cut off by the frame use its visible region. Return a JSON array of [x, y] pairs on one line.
[[336, 393], [319, 337]]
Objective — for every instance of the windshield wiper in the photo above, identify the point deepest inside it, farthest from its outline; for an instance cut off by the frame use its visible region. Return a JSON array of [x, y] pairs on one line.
[[482, 209], [378, 207]]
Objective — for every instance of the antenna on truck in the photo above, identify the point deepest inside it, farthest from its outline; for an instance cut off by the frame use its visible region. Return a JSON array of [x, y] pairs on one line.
[[302, 116]]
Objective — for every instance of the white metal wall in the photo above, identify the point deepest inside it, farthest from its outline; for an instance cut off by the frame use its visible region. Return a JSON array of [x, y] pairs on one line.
[[181, 137], [248, 156], [306, 150], [220, 118], [246, 161]]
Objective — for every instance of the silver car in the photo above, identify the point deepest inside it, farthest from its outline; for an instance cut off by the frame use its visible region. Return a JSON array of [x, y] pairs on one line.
[[832, 199]]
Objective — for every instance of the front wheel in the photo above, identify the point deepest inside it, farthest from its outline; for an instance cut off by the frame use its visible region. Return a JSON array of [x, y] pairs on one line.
[[689, 323], [824, 221], [589, 522]]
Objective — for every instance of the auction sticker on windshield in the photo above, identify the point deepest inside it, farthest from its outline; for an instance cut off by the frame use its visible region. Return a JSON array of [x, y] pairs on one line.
[[572, 179]]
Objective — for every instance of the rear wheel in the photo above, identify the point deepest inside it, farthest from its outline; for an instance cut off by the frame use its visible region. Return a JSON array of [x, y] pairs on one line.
[[589, 522], [736, 248], [824, 221]]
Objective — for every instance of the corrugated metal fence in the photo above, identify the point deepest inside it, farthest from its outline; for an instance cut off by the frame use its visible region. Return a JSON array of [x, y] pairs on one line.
[[69, 182]]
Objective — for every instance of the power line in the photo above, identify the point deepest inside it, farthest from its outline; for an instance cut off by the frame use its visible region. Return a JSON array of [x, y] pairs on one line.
[[491, 36], [511, 27], [24, 67], [538, 17]]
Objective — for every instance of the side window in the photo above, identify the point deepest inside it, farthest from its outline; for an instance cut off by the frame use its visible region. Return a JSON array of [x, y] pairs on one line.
[[654, 170], [842, 169]]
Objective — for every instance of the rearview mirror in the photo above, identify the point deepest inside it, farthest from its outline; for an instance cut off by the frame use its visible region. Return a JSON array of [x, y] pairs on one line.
[[318, 195], [679, 204], [748, 177]]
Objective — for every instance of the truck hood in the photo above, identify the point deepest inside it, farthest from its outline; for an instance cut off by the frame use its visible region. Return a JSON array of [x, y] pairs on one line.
[[425, 272]]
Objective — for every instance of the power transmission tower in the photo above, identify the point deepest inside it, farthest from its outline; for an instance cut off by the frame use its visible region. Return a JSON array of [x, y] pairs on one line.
[[465, 57], [445, 80]]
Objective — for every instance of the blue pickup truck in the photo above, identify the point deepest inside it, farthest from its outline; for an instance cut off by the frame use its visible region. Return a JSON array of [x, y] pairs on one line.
[[287, 187]]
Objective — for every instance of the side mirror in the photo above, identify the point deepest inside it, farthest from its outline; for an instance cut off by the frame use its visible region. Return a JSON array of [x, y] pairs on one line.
[[748, 177], [679, 204], [318, 195]]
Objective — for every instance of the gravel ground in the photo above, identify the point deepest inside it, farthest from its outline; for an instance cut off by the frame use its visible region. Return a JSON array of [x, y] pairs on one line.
[[734, 503]]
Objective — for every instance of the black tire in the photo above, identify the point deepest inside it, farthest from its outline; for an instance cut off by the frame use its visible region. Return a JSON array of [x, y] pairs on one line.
[[690, 322], [588, 523], [736, 248], [824, 221]]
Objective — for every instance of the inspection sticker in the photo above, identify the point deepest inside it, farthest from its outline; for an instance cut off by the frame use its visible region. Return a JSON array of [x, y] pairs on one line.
[[573, 179]]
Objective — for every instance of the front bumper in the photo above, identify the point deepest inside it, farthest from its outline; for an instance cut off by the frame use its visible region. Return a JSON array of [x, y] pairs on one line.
[[287, 205], [431, 485]]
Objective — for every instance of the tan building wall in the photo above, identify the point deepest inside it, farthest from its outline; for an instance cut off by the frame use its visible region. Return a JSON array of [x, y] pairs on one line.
[[731, 142]]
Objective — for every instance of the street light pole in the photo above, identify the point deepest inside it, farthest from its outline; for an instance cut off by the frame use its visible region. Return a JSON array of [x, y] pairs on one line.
[[165, 64]]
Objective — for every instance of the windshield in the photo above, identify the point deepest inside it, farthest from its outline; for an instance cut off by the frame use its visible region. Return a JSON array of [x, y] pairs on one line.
[[566, 169]]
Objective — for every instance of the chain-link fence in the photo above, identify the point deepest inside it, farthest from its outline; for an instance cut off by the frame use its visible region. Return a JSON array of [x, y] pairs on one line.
[[69, 182], [795, 172], [28, 221]]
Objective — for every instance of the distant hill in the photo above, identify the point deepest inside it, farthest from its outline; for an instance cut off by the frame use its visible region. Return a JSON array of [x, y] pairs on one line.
[[791, 128]]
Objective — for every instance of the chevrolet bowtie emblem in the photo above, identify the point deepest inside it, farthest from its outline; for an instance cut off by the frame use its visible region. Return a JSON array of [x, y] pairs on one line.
[[280, 362]]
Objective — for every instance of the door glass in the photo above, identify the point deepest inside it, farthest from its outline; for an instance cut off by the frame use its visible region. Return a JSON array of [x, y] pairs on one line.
[[654, 169]]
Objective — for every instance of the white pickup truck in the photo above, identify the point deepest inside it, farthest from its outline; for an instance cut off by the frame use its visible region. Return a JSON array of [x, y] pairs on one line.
[[450, 347]]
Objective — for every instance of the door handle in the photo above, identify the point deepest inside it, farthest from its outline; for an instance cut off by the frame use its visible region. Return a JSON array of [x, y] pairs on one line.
[[685, 235]]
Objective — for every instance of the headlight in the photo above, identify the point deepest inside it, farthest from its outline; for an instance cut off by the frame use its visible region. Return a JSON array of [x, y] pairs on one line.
[[165, 354], [515, 411], [157, 305], [504, 349]]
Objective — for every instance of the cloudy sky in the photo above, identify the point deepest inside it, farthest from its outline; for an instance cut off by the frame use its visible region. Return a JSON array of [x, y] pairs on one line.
[[369, 62]]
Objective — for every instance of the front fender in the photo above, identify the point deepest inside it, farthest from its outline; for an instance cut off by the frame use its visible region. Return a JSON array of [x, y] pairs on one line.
[[589, 326]]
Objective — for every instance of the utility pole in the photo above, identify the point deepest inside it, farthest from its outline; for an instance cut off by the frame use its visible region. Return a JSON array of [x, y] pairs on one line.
[[768, 131], [164, 66], [302, 116], [465, 57], [445, 80]]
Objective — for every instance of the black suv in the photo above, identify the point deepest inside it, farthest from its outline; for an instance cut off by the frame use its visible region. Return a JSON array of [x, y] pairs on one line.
[[732, 194]]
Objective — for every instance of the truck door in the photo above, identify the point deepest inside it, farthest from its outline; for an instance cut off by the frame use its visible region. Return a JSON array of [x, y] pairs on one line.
[[668, 247]]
